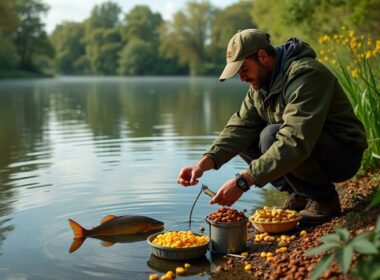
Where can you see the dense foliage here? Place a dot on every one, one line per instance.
(141, 42)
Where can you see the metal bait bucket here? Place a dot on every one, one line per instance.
(228, 237)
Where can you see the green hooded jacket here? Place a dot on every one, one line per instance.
(305, 98)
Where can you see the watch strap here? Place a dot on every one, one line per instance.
(241, 183)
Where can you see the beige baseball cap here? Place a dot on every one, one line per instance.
(243, 44)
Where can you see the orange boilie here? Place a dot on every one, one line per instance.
(226, 214)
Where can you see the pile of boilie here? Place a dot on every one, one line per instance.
(225, 214)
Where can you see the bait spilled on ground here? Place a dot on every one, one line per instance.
(114, 229)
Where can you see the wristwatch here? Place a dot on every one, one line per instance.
(241, 183)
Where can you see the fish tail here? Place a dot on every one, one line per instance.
(77, 242)
(79, 231)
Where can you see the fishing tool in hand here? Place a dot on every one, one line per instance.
(206, 190)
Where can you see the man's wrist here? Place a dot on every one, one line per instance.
(205, 163)
(241, 183)
(247, 178)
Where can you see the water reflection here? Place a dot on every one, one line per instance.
(88, 147)
(108, 241)
(198, 266)
(4, 230)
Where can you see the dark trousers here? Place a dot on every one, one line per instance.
(331, 161)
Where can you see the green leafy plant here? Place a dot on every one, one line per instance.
(355, 59)
(375, 201)
(338, 246)
(368, 266)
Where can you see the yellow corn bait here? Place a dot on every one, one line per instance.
(179, 239)
(179, 270)
(274, 215)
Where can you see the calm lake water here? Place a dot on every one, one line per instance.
(84, 148)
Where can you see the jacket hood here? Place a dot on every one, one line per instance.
(291, 50)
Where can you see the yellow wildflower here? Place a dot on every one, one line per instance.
(377, 45)
(325, 39)
(354, 44)
(351, 33)
(354, 73)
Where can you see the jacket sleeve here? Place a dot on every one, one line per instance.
(308, 96)
(242, 129)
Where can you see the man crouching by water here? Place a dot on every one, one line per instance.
(295, 128)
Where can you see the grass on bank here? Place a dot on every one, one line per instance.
(355, 59)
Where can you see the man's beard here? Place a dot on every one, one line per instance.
(264, 76)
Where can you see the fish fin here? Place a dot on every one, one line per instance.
(108, 218)
(107, 243)
(78, 230)
(77, 242)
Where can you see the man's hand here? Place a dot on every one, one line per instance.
(188, 176)
(227, 194)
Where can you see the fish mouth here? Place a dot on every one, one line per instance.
(158, 225)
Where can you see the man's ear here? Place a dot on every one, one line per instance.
(262, 55)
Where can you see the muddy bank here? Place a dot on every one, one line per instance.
(355, 195)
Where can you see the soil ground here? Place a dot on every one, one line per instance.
(355, 195)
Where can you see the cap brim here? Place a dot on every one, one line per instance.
(231, 70)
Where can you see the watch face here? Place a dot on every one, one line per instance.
(241, 183)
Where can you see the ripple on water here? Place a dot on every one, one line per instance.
(86, 178)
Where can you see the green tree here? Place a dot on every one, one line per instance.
(102, 39)
(327, 16)
(309, 19)
(270, 17)
(30, 37)
(142, 23)
(67, 39)
(186, 37)
(141, 30)
(136, 58)
(225, 24)
(8, 17)
(8, 55)
(106, 15)
(103, 47)
(8, 23)
(229, 20)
